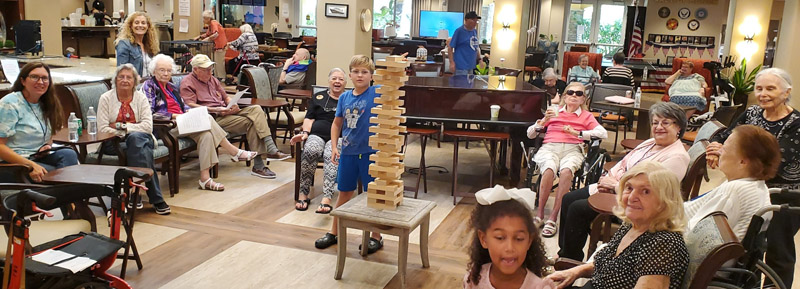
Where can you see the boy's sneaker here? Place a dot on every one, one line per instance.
(373, 245)
(162, 208)
(263, 173)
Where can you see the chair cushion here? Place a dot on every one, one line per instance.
(184, 143)
(614, 117)
(160, 152)
(690, 135)
(533, 69)
(298, 117)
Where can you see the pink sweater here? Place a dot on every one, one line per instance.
(580, 122)
(673, 157)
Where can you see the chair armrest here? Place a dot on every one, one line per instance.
(566, 263)
(20, 171)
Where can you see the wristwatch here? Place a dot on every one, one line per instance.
(580, 134)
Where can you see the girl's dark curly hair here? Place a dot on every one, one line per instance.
(482, 218)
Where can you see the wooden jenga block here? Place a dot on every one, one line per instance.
(388, 131)
(388, 63)
(379, 111)
(383, 204)
(394, 77)
(391, 121)
(391, 190)
(396, 172)
(398, 102)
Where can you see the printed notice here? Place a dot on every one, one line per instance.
(184, 26)
(194, 120)
(183, 8)
(236, 97)
(10, 69)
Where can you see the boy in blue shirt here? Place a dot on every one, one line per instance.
(466, 46)
(352, 119)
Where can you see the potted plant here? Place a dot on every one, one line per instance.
(744, 82)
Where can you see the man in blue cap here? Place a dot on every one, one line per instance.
(465, 43)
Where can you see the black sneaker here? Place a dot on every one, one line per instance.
(162, 208)
(373, 245)
(326, 241)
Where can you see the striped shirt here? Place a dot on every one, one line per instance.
(618, 71)
(246, 43)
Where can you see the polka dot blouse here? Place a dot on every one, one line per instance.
(658, 253)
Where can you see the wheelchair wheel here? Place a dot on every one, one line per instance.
(769, 274)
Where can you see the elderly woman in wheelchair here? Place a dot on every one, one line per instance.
(566, 129)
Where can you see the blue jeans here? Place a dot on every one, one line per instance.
(138, 147)
(58, 159)
(463, 72)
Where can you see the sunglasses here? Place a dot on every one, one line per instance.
(571, 92)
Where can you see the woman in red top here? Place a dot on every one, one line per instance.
(216, 34)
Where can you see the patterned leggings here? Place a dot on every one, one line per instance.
(314, 149)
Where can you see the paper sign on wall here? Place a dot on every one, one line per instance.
(285, 10)
(184, 26)
(183, 8)
(10, 69)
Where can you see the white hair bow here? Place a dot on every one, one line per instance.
(489, 196)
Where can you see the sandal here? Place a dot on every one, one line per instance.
(550, 229)
(324, 209)
(307, 202)
(373, 245)
(243, 155)
(211, 185)
(537, 222)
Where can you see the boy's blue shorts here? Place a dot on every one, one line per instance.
(351, 168)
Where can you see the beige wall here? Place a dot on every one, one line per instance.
(338, 39)
(786, 56)
(551, 19)
(67, 7)
(509, 43)
(195, 20)
(51, 24)
(710, 26)
(269, 15)
(761, 10)
(293, 15)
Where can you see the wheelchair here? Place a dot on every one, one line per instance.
(22, 268)
(589, 173)
(750, 269)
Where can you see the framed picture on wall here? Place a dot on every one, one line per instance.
(684, 39)
(703, 40)
(658, 39)
(337, 10)
(671, 39)
(651, 38)
(710, 41)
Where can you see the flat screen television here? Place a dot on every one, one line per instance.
(430, 22)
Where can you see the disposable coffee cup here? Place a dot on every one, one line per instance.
(554, 107)
(495, 111)
(628, 94)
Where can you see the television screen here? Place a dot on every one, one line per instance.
(430, 22)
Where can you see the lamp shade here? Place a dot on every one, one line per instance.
(390, 31)
(443, 34)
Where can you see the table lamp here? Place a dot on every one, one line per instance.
(443, 34)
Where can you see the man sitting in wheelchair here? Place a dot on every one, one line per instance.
(567, 125)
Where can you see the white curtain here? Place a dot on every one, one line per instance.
(416, 7)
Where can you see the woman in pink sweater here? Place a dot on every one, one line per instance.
(668, 123)
(562, 150)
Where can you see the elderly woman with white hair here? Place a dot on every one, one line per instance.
(166, 103)
(217, 34)
(550, 83)
(562, 152)
(247, 45)
(125, 112)
(317, 135)
(582, 72)
(773, 89)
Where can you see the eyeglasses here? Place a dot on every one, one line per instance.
(163, 70)
(663, 123)
(571, 92)
(36, 78)
(125, 77)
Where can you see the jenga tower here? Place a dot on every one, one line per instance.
(386, 192)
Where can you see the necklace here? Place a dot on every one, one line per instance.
(646, 154)
(325, 106)
(41, 125)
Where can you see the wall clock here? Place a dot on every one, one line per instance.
(684, 13)
(366, 20)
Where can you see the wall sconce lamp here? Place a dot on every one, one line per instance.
(749, 28)
(506, 25)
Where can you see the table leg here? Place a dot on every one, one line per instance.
(341, 253)
(82, 153)
(364, 242)
(643, 125)
(402, 257)
(516, 156)
(455, 169)
(424, 228)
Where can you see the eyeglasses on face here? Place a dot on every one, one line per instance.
(663, 123)
(571, 92)
(36, 78)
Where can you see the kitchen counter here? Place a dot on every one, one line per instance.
(71, 70)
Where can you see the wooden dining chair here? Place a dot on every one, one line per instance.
(604, 114)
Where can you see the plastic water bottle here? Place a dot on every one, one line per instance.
(91, 121)
(644, 73)
(73, 127)
(637, 100)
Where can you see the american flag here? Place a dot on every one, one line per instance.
(636, 36)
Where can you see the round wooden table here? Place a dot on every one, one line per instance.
(62, 137)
